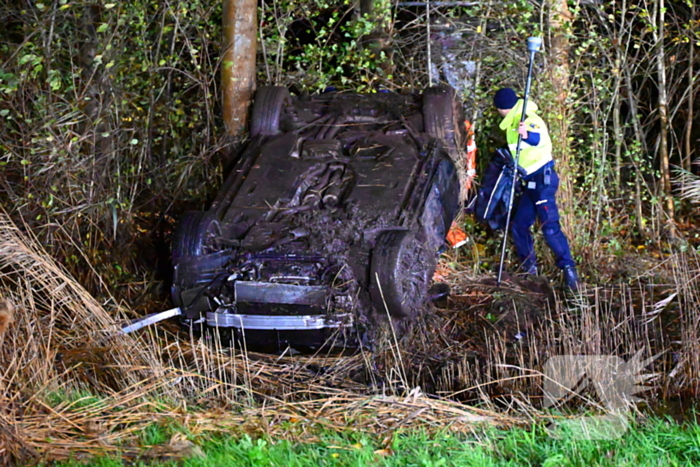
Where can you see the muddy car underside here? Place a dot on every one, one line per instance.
(335, 211)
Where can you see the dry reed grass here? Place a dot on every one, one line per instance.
(479, 356)
(63, 341)
(60, 339)
(55, 320)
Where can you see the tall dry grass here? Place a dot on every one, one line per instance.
(72, 386)
(471, 349)
(100, 162)
(55, 321)
(60, 340)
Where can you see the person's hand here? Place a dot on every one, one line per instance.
(522, 130)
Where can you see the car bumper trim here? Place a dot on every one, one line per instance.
(277, 322)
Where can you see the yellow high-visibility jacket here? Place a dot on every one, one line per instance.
(532, 158)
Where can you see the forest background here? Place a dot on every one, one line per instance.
(112, 126)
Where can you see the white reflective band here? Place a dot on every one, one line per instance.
(542, 201)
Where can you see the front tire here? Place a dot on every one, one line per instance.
(401, 269)
(196, 235)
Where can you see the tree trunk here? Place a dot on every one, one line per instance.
(97, 91)
(662, 107)
(560, 19)
(641, 140)
(617, 104)
(687, 160)
(238, 62)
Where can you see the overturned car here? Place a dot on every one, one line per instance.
(332, 216)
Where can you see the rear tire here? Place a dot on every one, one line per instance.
(401, 269)
(272, 111)
(443, 118)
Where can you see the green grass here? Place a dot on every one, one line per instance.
(658, 442)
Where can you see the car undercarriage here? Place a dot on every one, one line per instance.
(331, 218)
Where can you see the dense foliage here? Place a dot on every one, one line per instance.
(110, 116)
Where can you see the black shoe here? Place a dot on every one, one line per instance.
(571, 278)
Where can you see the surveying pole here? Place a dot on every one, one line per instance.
(533, 46)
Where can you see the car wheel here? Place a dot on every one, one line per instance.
(272, 111)
(401, 269)
(195, 235)
(443, 118)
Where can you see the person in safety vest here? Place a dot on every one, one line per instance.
(539, 183)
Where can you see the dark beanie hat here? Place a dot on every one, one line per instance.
(505, 98)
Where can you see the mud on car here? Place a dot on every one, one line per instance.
(331, 217)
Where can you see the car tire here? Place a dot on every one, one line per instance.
(401, 269)
(194, 235)
(443, 118)
(271, 111)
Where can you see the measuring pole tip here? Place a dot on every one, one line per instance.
(534, 44)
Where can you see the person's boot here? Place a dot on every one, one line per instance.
(571, 278)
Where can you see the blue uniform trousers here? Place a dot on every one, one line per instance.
(538, 201)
